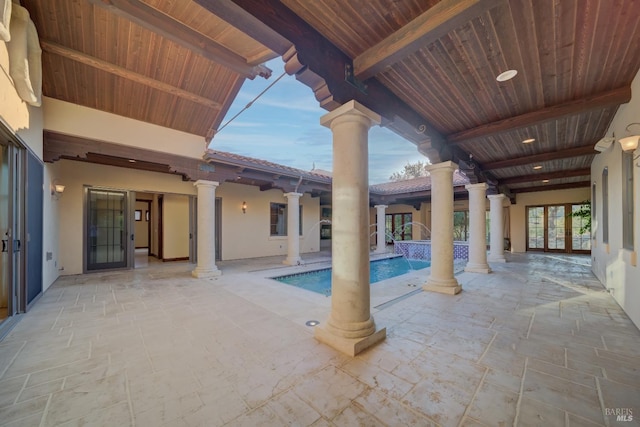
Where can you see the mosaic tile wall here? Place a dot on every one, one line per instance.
(421, 249)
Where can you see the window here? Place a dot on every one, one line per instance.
(535, 227)
(138, 215)
(278, 218)
(627, 201)
(605, 205)
(398, 226)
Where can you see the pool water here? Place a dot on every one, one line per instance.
(320, 280)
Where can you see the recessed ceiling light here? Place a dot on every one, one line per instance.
(545, 180)
(131, 161)
(537, 167)
(507, 75)
(528, 141)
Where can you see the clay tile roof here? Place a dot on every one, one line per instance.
(413, 185)
(264, 165)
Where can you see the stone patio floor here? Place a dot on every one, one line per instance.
(538, 342)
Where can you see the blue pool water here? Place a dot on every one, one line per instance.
(320, 280)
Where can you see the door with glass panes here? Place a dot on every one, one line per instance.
(553, 228)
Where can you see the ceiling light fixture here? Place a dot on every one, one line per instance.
(537, 167)
(131, 161)
(528, 141)
(507, 75)
(545, 180)
(629, 143)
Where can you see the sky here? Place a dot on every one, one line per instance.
(283, 126)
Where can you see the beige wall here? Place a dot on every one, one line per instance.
(142, 226)
(175, 227)
(617, 268)
(518, 212)
(73, 119)
(248, 235)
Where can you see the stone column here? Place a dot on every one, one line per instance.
(293, 229)
(477, 229)
(441, 278)
(381, 230)
(206, 266)
(350, 327)
(496, 246)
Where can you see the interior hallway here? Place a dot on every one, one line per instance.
(538, 342)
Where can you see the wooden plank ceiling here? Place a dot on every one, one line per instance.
(169, 63)
(430, 70)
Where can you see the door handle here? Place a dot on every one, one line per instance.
(4, 246)
(17, 245)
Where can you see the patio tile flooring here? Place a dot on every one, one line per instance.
(538, 342)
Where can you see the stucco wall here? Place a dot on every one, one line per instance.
(175, 227)
(142, 226)
(613, 265)
(518, 212)
(248, 235)
(64, 117)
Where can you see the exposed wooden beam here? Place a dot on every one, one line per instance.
(583, 150)
(428, 27)
(317, 54)
(564, 186)
(124, 73)
(593, 102)
(160, 23)
(548, 175)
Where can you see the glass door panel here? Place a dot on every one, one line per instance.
(6, 284)
(556, 233)
(535, 228)
(579, 241)
(106, 229)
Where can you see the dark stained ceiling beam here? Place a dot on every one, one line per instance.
(564, 186)
(160, 23)
(593, 102)
(425, 29)
(548, 175)
(108, 67)
(583, 150)
(322, 57)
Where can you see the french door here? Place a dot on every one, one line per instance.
(106, 229)
(552, 228)
(398, 226)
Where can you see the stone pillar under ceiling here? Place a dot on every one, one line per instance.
(381, 246)
(293, 229)
(477, 229)
(350, 327)
(206, 220)
(496, 246)
(441, 278)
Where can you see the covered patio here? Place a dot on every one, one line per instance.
(538, 342)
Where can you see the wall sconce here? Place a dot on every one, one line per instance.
(630, 143)
(244, 207)
(57, 189)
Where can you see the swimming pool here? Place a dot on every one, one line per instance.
(320, 280)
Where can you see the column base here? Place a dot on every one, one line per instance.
(449, 286)
(497, 259)
(202, 273)
(478, 268)
(380, 251)
(293, 261)
(349, 346)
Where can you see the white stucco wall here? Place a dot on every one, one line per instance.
(175, 227)
(612, 264)
(72, 119)
(248, 235)
(518, 211)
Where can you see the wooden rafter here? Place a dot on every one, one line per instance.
(99, 64)
(583, 150)
(154, 20)
(594, 102)
(546, 175)
(428, 27)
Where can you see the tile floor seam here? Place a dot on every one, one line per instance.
(45, 412)
(127, 388)
(475, 393)
(563, 378)
(13, 359)
(55, 322)
(567, 422)
(601, 399)
(484, 353)
(533, 316)
(521, 392)
(24, 385)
